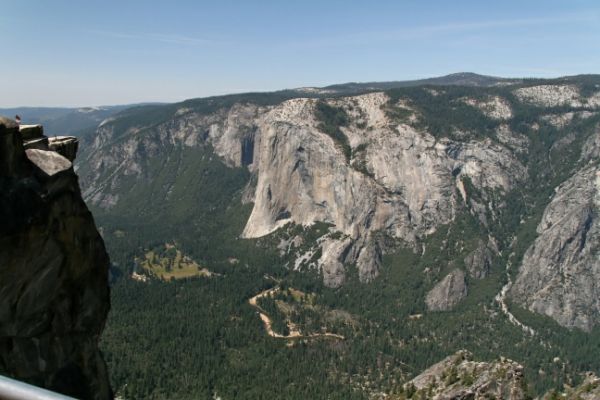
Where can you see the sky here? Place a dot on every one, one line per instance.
(92, 52)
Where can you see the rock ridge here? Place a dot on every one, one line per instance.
(460, 377)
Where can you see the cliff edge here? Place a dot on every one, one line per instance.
(53, 268)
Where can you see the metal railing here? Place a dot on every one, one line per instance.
(11, 389)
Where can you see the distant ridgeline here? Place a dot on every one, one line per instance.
(64, 121)
(53, 268)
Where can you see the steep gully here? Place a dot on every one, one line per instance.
(501, 300)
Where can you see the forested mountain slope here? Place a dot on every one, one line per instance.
(410, 211)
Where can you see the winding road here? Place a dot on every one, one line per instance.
(294, 332)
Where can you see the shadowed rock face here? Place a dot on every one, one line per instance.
(479, 261)
(53, 273)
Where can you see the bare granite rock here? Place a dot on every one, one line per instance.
(410, 186)
(494, 107)
(459, 377)
(50, 162)
(448, 292)
(556, 95)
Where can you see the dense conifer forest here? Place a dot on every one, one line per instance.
(199, 337)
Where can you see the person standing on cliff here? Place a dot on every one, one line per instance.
(18, 119)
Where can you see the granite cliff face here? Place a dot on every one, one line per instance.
(53, 268)
(560, 274)
(448, 292)
(400, 180)
(560, 271)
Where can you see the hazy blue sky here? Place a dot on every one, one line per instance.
(110, 52)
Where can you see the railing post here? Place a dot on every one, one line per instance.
(11, 389)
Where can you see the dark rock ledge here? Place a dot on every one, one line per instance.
(53, 268)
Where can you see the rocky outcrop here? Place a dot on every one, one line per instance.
(53, 269)
(562, 120)
(448, 292)
(459, 377)
(34, 139)
(494, 107)
(479, 261)
(591, 148)
(589, 389)
(560, 273)
(556, 96)
(514, 141)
